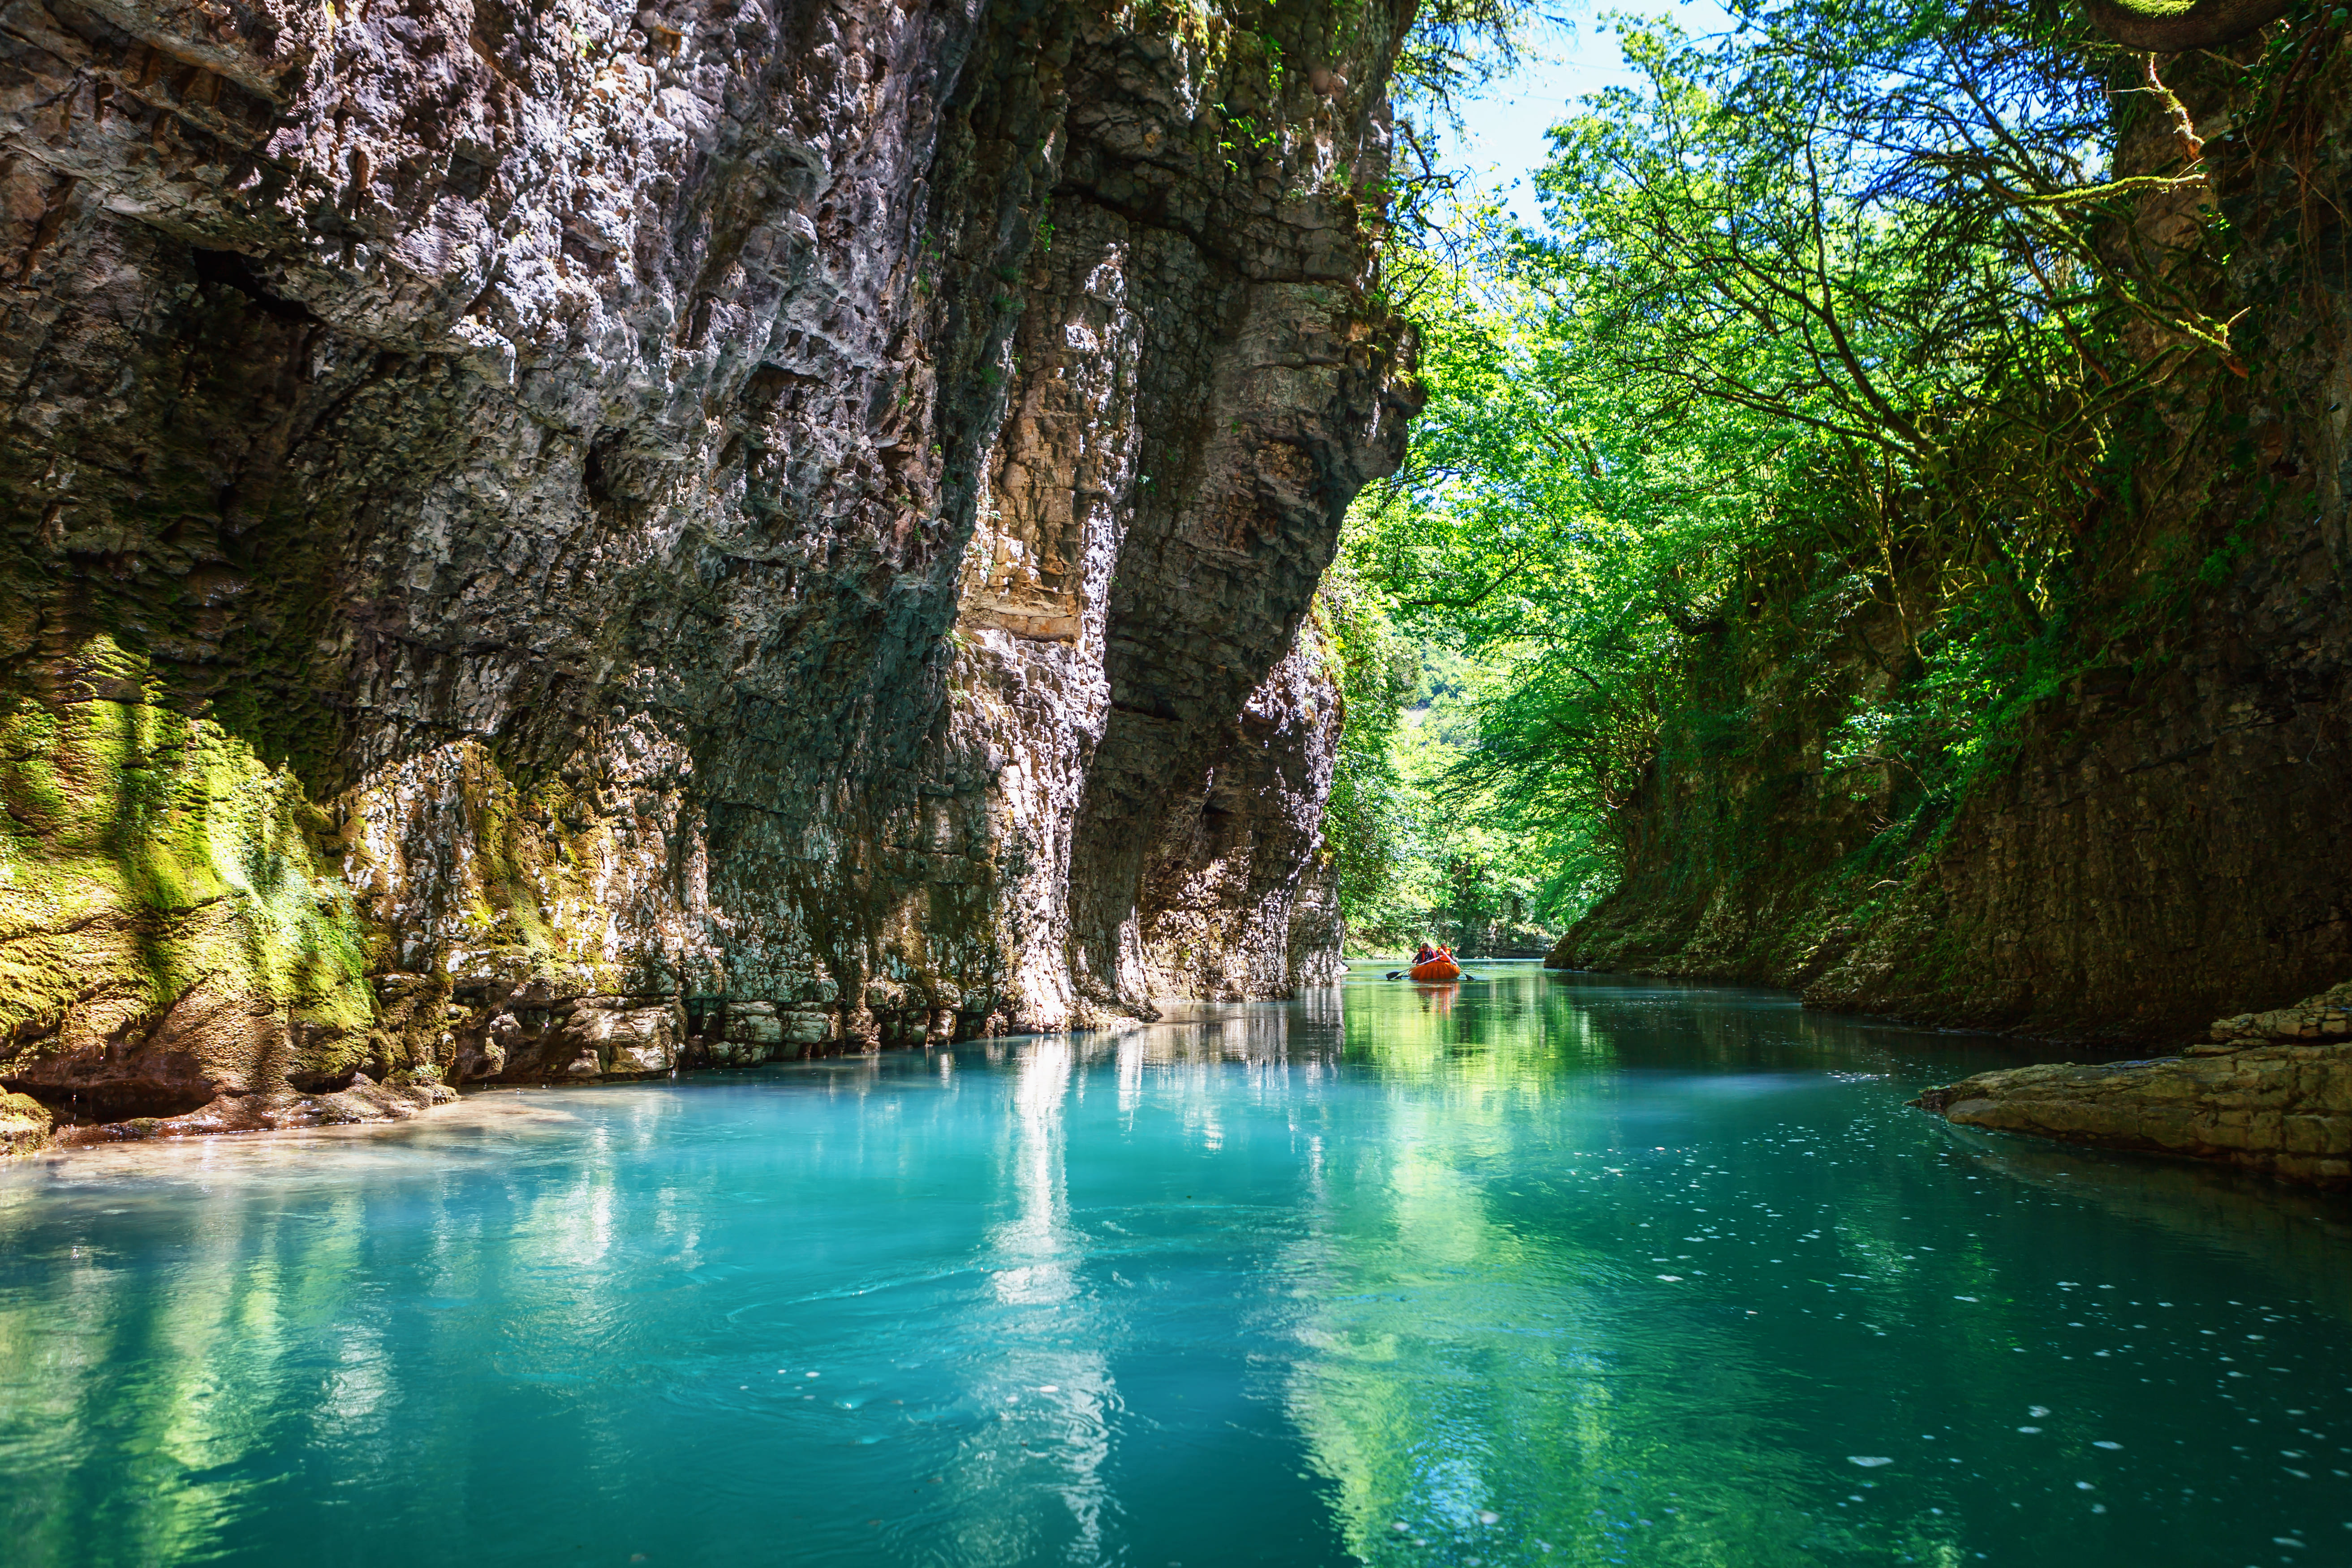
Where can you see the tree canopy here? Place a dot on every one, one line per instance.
(1859, 331)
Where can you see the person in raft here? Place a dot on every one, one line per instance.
(1426, 954)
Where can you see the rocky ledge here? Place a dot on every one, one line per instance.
(2269, 1092)
(27, 1126)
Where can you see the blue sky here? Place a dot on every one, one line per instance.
(1504, 131)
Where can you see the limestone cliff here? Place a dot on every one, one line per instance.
(550, 539)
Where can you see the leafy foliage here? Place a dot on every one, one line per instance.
(1415, 862)
(1370, 818)
(1849, 335)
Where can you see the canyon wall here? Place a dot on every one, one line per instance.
(2166, 841)
(554, 539)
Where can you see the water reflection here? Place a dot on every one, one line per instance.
(1052, 1356)
(2299, 1242)
(1469, 1389)
(1668, 1275)
(1550, 1269)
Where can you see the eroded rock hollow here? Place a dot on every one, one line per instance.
(547, 539)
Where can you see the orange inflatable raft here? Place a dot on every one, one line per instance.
(1439, 968)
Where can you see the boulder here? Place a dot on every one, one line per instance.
(23, 1124)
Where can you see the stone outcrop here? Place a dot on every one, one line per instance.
(2269, 1092)
(549, 542)
(1241, 898)
(2165, 836)
(2327, 1017)
(279, 1111)
(25, 1125)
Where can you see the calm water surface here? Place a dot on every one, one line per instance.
(1552, 1269)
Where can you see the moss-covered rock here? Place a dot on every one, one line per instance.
(23, 1124)
(168, 927)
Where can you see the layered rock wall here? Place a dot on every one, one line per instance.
(549, 541)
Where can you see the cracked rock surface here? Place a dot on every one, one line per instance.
(556, 541)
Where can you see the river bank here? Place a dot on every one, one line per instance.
(2269, 1092)
(28, 1126)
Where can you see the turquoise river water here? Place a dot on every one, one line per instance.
(1546, 1269)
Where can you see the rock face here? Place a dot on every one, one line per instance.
(2168, 838)
(543, 541)
(2270, 1092)
(25, 1125)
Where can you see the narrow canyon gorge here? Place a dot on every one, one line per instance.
(1069, 784)
(560, 543)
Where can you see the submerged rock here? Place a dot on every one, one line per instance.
(2270, 1092)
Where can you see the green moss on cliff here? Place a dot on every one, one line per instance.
(150, 862)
